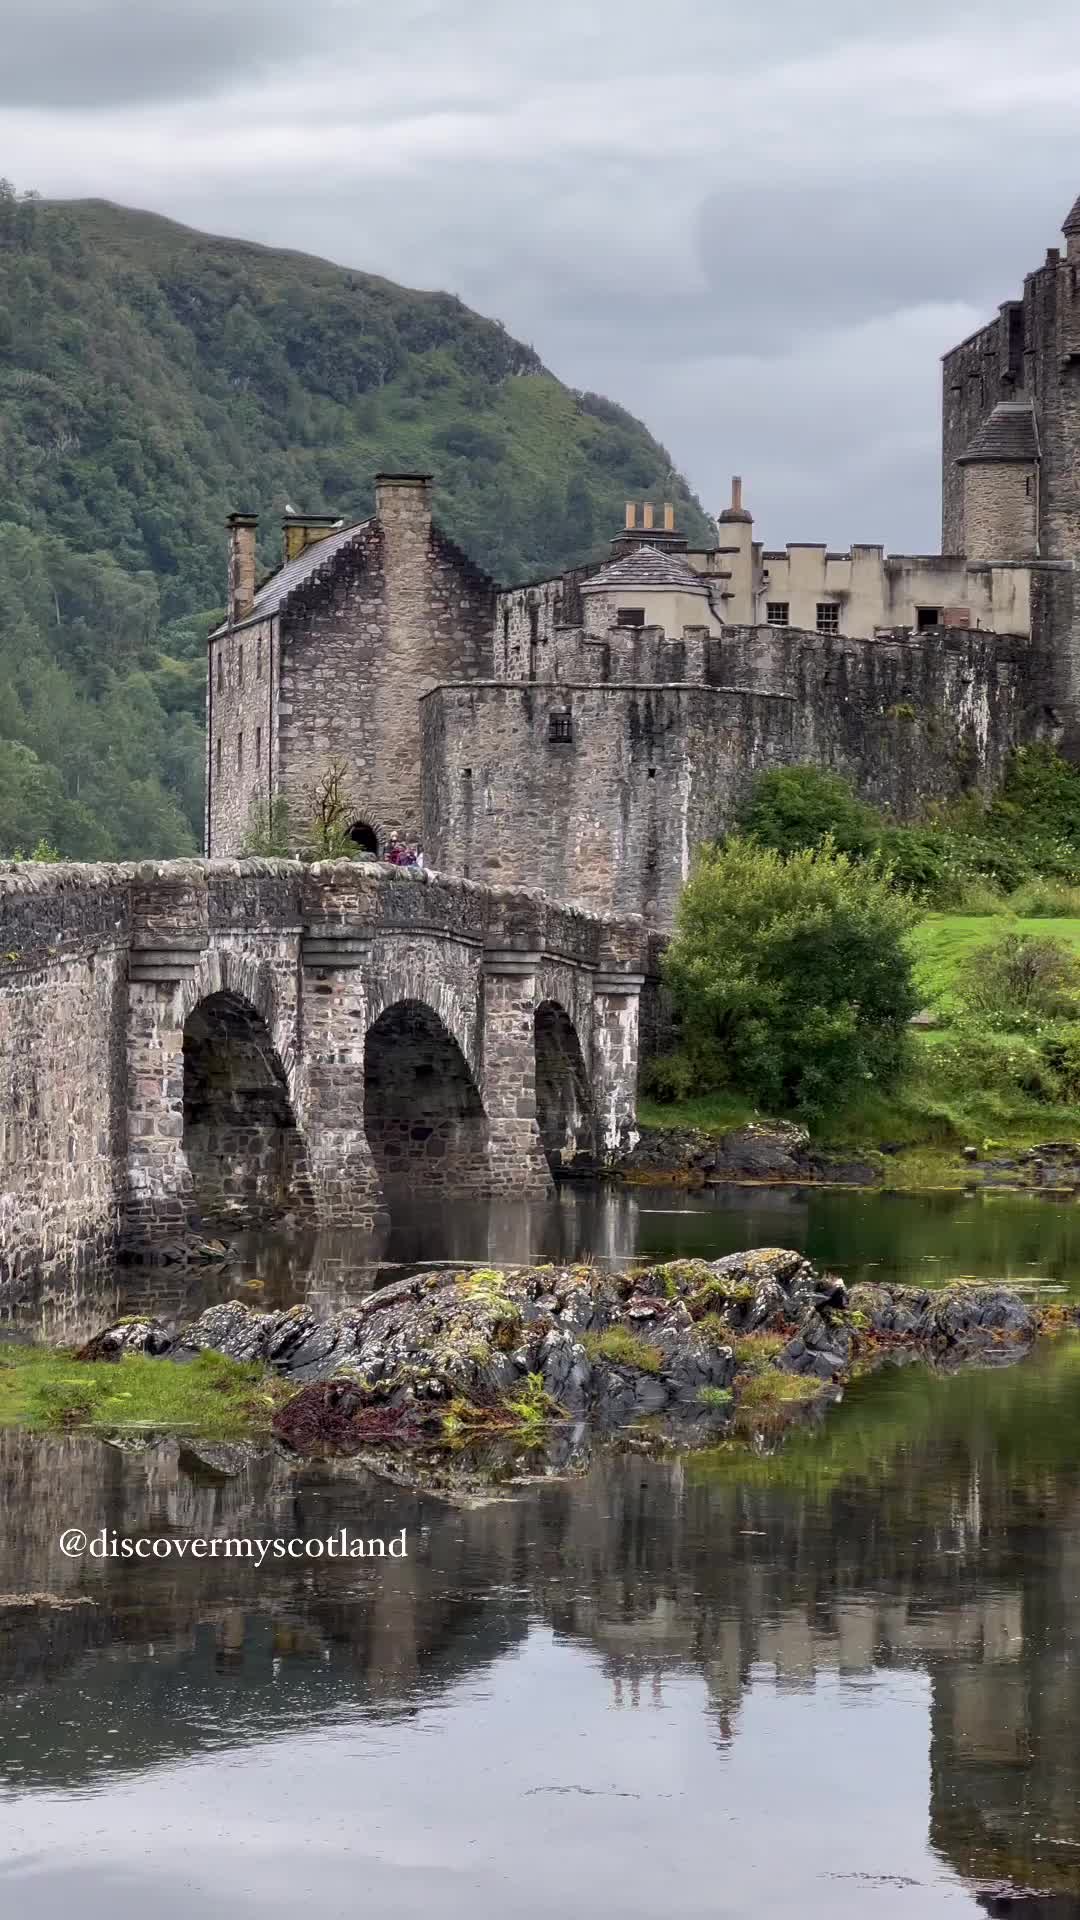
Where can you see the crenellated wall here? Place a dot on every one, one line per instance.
(191, 1039)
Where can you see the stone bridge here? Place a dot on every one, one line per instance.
(197, 1040)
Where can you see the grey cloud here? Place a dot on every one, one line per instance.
(756, 227)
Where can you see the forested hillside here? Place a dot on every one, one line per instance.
(152, 379)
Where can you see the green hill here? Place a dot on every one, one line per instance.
(153, 378)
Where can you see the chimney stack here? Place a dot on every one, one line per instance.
(631, 516)
(301, 530)
(669, 517)
(736, 511)
(647, 515)
(242, 531)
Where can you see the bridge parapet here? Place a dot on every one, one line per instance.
(103, 970)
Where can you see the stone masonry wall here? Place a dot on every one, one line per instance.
(240, 696)
(63, 967)
(399, 610)
(609, 817)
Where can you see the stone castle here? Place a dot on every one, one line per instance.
(582, 735)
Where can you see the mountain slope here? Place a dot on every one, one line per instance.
(152, 379)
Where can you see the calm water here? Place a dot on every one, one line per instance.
(843, 1681)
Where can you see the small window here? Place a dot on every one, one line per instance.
(506, 623)
(1027, 483)
(828, 616)
(630, 617)
(219, 756)
(258, 746)
(561, 724)
(240, 664)
(777, 613)
(258, 656)
(466, 773)
(652, 773)
(927, 617)
(221, 669)
(534, 623)
(239, 753)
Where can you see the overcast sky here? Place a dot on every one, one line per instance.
(757, 225)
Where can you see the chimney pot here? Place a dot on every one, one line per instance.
(736, 492)
(669, 517)
(631, 515)
(646, 514)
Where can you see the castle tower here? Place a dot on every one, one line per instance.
(1000, 485)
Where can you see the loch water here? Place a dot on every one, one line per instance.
(839, 1679)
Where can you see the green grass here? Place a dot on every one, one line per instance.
(623, 1349)
(943, 941)
(213, 1396)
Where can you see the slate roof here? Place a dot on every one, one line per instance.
(274, 592)
(646, 567)
(1008, 434)
(1072, 224)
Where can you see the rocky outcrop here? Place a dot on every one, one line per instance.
(780, 1152)
(461, 1352)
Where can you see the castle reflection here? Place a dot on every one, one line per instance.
(932, 1527)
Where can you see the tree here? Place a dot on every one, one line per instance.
(793, 807)
(791, 976)
(331, 813)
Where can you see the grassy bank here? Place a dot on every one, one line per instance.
(217, 1398)
(981, 1084)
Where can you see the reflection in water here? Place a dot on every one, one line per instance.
(836, 1682)
(922, 1238)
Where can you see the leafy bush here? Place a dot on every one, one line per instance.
(1061, 1052)
(791, 977)
(1022, 976)
(794, 807)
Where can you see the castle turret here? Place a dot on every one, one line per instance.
(1000, 481)
(1071, 230)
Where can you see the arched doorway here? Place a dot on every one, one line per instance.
(241, 1141)
(564, 1105)
(424, 1117)
(364, 836)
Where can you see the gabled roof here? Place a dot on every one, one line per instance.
(646, 567)
(274, 592)
(1010, 433)
(1072, 224)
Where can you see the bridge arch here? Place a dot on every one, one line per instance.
(565, 1107)
(242, 1142)
(426, 1125)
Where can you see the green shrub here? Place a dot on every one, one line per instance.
(1060, 1050)
(1019, 975)
(791, 976)
(791, 808)
(1046, 899)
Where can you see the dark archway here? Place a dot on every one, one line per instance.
(425, 1120)
(241, 1140)
(564, 1106)
(365, 837)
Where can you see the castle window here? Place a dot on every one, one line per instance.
(561, 724)
(652, 773)
(777, 613)
(506, 623)
(630, 617)
(240, 664)
(927, 617)
(828, 616)
(220, 668)
(534, 623)
(258, 656)
(219, 756)
(239, 753)
(258, 746)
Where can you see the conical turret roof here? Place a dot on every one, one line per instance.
(1072, 224)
